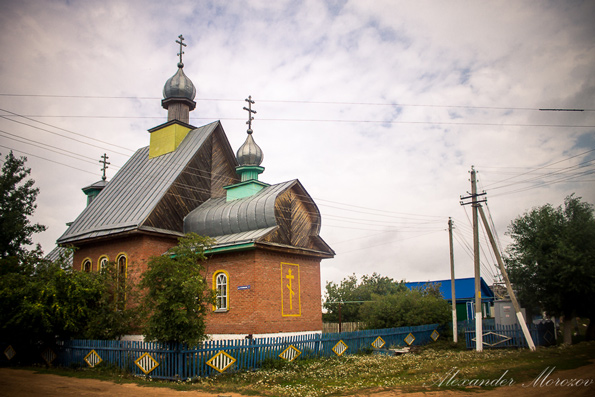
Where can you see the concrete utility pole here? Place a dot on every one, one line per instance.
(455, 335)
(476, 260)
(515, 303)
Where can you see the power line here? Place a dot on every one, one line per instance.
(43, 158)
(63, 136)
(340, 103)
(47, 147)
(59, 128)
(356, 121)
(539, 168)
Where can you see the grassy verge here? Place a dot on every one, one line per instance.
(427, 369)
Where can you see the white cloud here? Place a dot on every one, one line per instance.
(443, 56)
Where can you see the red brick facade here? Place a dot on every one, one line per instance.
(264, 307)
(268, 305)
(138, 248)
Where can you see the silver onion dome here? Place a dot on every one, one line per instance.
(249, 153)
(179, 86)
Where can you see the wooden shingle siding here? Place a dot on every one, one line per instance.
(191, 188)
(223, 164)
(283, 206)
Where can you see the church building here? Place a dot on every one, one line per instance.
(265, 262)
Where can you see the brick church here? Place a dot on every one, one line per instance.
(265, 263)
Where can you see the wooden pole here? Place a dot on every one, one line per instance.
(452, 284)
(476, 259)
(515, 303)
(340, 319)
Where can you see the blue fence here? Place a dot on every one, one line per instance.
(174, 361)
(502, 336)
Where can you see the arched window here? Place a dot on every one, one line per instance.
(103, 262)
(121, 271)
(86, 265)
(122, 264)
(221, 286)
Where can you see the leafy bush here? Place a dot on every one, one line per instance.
(404, 309)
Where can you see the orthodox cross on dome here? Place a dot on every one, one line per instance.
(181, 43)
(250, 112)
(105, 164)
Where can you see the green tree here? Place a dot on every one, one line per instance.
(43, 300)
(406, 308)
(177, 295)
(116, 312)
(52, 301)
(356, 292)
(17, 204)
(551, 260)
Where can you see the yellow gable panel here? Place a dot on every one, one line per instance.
(167, 139)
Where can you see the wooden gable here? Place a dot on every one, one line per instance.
(211, 168)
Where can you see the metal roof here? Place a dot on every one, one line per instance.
(464, 288)
(132, 194)
(61, 253)
(218, 217)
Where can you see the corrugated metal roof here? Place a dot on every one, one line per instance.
(61, 253)
(241, 238)
(464, 288)
(219, 217)
(135, 190)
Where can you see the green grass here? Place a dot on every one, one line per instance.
(422, 370)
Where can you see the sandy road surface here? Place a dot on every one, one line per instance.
(25, 383)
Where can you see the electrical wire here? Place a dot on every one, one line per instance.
(43, 158)
(61, 129)
(340, 103)
(47, 147)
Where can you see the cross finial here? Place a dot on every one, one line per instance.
(181, 43)
(250, 111)
(105, 164)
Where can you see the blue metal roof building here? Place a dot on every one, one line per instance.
(464, 293)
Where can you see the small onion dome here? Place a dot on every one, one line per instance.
(179, 86)
(249, 153)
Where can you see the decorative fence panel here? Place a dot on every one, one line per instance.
(178, 362)
(502, 336)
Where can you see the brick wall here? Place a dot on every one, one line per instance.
(259, 309)
(256, 310)
(138, 249)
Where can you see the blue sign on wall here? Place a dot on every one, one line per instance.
(243, 287)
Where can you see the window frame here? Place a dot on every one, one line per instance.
(89, 268)
(121, 282)
(101, 258)
(216, 287)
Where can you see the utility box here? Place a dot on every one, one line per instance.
(505, 314)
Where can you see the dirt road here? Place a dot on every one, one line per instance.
(24, 383)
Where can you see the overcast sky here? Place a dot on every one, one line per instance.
(379, 108)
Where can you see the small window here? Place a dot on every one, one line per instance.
(221, 291)
(87, 265)
(121, 269)
(103, 262)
